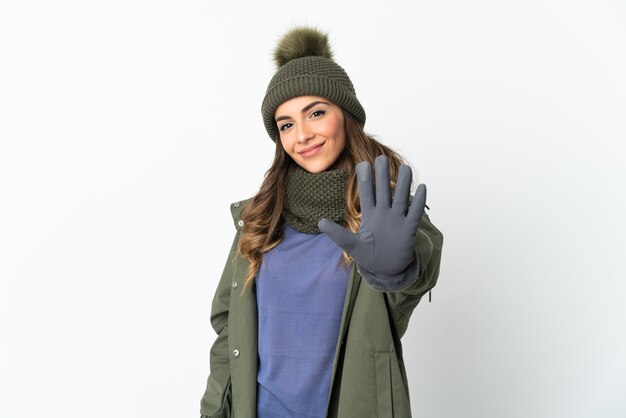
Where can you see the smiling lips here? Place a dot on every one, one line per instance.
(311, 151)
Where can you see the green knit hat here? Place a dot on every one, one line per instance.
(306, 67)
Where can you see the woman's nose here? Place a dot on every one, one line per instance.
(303, 132)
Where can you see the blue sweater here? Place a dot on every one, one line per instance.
(300, 290)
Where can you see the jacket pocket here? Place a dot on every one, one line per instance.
(382, 363)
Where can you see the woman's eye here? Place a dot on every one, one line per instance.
(321, 112)
(282, 128)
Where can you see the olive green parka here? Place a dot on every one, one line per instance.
(368, 377)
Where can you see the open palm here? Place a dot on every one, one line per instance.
(385, 241)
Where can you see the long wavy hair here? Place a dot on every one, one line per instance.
(263, 215)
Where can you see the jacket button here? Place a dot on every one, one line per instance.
(235, 284)
(236, 204)
(236, 353)
(240, 223)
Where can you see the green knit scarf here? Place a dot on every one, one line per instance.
(313, 196)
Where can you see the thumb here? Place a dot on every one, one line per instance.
(342, 237)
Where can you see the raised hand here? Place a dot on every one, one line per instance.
(385, 242)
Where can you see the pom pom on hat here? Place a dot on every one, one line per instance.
(302, 42)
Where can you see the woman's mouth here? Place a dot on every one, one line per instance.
(312, 151)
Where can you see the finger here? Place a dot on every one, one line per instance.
(364, 182)
(417, 207)
(381, 167)
(342, 237)
(403, 186)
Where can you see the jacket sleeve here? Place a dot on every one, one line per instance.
(217, 399)
(428, 247)
(418, 279)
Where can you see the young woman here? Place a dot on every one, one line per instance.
(326, 267)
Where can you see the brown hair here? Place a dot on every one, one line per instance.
(263, 216)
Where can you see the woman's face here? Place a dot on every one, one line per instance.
(311, 131)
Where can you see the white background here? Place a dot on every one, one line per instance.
(128, 127)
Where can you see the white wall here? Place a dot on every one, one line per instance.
(120, 122)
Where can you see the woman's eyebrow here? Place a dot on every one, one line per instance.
(304, 109)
